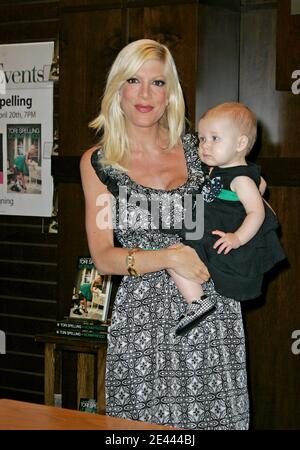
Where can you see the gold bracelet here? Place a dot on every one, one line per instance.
(130, 262)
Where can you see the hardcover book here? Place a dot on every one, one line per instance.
(91, 293)
(83, 325)
(82, 334)
(88, 405)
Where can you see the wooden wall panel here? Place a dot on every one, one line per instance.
(27, 363)
(288, 45)
(218, 57)
(154, 3)
(21, 288)
(14, 250)
(258, 4)
(14, 12)
(257, 77)
(31, 270)
(86, 5)
(23, 306)
(25, 21)
(84, 64)
(28, 381)
(25, 324)
(21, 394)
(278, 112)
(24, 343)
(270, 321)
(157, 22)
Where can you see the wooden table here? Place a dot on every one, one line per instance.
(16, 415)
(90, 359)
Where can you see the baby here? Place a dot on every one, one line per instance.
(240, 242)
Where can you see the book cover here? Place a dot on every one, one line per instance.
(88, 405)
(91, 293)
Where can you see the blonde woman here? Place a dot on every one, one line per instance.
(144, 164)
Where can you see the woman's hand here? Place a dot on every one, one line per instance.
(185, 262)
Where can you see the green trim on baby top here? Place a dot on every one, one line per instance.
(225, 194)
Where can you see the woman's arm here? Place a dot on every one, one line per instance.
(252, 201)
(112, 260)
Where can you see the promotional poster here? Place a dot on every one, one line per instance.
(26, 129)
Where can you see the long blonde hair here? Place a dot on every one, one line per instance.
(111, 122)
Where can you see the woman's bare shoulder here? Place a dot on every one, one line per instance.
(90, 180)
(86, 156)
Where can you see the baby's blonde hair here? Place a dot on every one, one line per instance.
(111, 121)
(242, 116)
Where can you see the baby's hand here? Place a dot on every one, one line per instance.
(227, 242)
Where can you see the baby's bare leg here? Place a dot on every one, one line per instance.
(190, 290)
(199, 305)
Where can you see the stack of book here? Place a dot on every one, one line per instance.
(83, 328)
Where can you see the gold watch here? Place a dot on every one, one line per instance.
(130, 262)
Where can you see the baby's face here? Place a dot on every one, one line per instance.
(218, 141)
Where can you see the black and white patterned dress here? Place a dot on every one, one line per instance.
(195, 381)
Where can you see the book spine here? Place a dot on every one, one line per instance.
(79, 326)
(84, 321)
(102, 336)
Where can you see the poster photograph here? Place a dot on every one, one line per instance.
(26, 129)
(24, 159)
